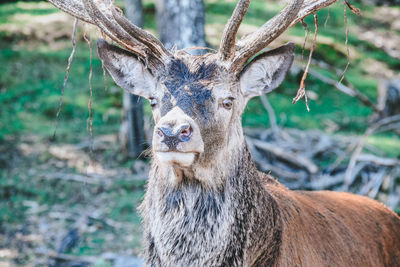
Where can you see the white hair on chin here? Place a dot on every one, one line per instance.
(178, 158)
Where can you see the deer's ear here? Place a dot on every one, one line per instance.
(126, 70)
(266, 71)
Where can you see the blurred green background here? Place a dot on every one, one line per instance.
(39, 207)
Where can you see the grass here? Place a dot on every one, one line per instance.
(29, 96)
(18, 8)
(388, 143)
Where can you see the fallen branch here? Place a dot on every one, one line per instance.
(361, 144)
(372, 187)
(67, 257)
(324, 182)
(281, 157)
(281, 172)
(378, 160)
(296, 160)
(72, 177)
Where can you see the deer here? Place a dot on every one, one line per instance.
(206, 204)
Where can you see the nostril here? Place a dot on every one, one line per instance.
(185, 133)
(172, 136)
(159, 133)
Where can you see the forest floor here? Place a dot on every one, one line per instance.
(61, 200)
(70, 198)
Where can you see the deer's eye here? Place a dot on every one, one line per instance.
(227, 103)
(153, 102)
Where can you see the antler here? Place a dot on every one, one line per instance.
(104, 15)
(227, 46)
(237, 55)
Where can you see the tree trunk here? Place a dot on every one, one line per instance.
(181, 23)
(132, 136)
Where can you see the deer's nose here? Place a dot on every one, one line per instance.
(172, 136)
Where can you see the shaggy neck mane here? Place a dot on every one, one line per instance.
(193, 224)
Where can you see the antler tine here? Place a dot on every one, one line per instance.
(259, 39)
(311, 6)
(227, 46)
(111, 29)
(145, 37)
(74, 8)
(101, 15)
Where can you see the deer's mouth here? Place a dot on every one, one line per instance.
(183, 159)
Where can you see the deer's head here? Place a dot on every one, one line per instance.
(197, 101)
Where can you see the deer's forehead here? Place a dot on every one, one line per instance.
(192, 87)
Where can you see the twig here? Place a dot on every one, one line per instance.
(281, 172)
(72, 177)
(71, 56)
(105, 221)
(353, 9)
(394, 191)
(104, 76)
(346, 44)
(327, 17)
(67, 257)
(200, 48)
(89, 122)
(307, 32)
(302, 90)
(368, 187)
(379, 160)
(377, 182)
(361, 143)
(357, 12)
(325, 181)
(392, 127)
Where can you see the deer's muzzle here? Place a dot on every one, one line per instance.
(177, 139)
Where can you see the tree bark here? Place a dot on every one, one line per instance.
(131, 133)
(181, 23)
